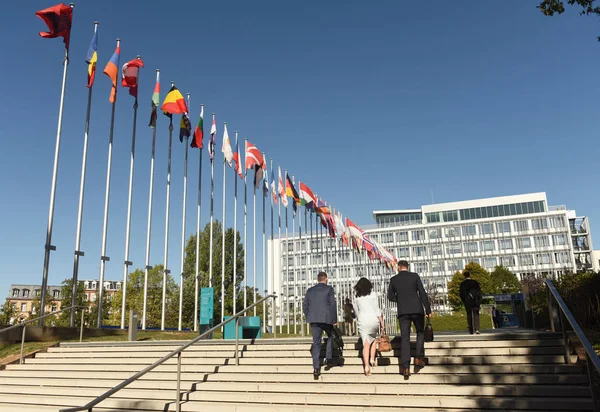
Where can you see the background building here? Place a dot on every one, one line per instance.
(521, 233)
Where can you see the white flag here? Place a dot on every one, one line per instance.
(226, 149)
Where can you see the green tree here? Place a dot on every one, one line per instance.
(106, 310)
(551, 7)
(65, 302)
(7, 312)
(478, 273)
(37, 303)
(135, 299)
(504, 281)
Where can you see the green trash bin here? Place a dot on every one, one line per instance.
(249, 328)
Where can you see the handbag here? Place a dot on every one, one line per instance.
(428, 331)
(383, 343)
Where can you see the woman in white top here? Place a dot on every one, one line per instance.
(368, 318)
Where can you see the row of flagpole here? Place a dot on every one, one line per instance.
(176, 104)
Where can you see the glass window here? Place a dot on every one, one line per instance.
(450, 215)
(507, 261)
(538, 207)
(562, 257)
(403, 252)
(488, 245)
(23, 307)
(500, 210)
(418, 235)
(505, 244)
(15, 293)
(557, 222)
(543, 258)
(559, 240)
(526, 260)
(489, 262)
(478, 213)
(486, 228)
(290, 247)
(503, 227)
(541, 241)
(432, 217)
(291, 261)
(471, 247)
(474, 260)
(38, 292)
(523, 242)
(387, 238)
(303, 260)
(419, 251)
(495, 212)
(25, 293)
(519, 208)
(521, 225)
(56, 293)
(54, 308)
(437, 266)
(436, 250)
(488, 211)
(402, 236)
(469, 230)
(455, 264)
(513, 209)
(452, 231)
(435, 233)
(453, 249)
(420, 267)
(539, 223)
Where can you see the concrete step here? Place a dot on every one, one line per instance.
(304, 352)
(474, 400)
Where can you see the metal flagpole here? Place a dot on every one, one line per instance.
(294, 305)
(165, 269)
(254, 247)
(235, 190)
(48, 247)
(281, 263)
(272, 262)
(181, 261)
(287, 275)
(264, 252)
(223, 236)
(212, 202)
(103, 257)
(197, 280)
(302, 270)
(245, 227)
(126, 262)
(149, 226)
(78, 252)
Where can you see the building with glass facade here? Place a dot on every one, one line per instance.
(521, 233)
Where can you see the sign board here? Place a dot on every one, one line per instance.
(207, 298)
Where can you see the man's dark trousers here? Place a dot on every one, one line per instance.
(317, 335)
(405, 321)
(473, 318)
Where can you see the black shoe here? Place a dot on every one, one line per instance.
(316, 373)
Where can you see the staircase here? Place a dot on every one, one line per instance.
(504, 371)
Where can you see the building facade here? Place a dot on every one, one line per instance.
(522, 233)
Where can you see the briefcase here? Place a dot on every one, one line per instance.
(428, 331)
(383, 343)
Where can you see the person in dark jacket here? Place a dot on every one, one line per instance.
(406, 289)
(470, 295)
(320, 309)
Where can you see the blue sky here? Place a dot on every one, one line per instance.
(373, 106)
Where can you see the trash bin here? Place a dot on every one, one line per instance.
(248, 328)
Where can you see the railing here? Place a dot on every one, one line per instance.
(565, 316)
(177, 352)
(24, 326)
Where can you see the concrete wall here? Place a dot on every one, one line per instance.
(46, 333)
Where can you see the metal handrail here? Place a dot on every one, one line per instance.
(565, 313)
(110, 392)
(24, 323)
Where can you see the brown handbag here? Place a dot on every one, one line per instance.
(383, 343)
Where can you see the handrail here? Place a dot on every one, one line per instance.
(110, 392)
(23, 325)
(565, 313)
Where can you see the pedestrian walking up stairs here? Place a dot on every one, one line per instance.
(503, 371)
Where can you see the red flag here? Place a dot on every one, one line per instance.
(253, 156)
(58, 19)
(237, 160)
(130, 74)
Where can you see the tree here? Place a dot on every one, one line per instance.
(550, 7)
(478, 273)
(135, 299)
(7, 313)
(35, 309)
(106, 310)
(64, 318)
(504, 281)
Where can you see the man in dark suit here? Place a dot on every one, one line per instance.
(470, 294)
(406, 289)
(320, 310)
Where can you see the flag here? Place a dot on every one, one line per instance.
(185, 127)
(237, 160)
(254, 159)
(355, 233)
(112, 71)
(307, 198)
(212, 142)
(130, 74)
(174, 103)
(58, 19)
(281, 188)
(91, 59)
(155, 101)
(321, 207)
(290, 191)
(199, 131)
(226, 147)
(265, 181)
(273, 190)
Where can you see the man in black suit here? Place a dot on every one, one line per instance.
(470, 294)
(320, 310)
(406, 289)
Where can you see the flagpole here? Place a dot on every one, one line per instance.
(223, 239)
(48, 247)
(103, 257)
(78, 252)
(302, 269)
(245, 228)
(254, 248)
(294, 305)
(149, 225)
(197, 280)
(282, 278)
(287, 282)
(182, 259)
(126, 262)
(235, 190)
(272, 264)
(166, 271)
(264, 255)
(212, 201)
